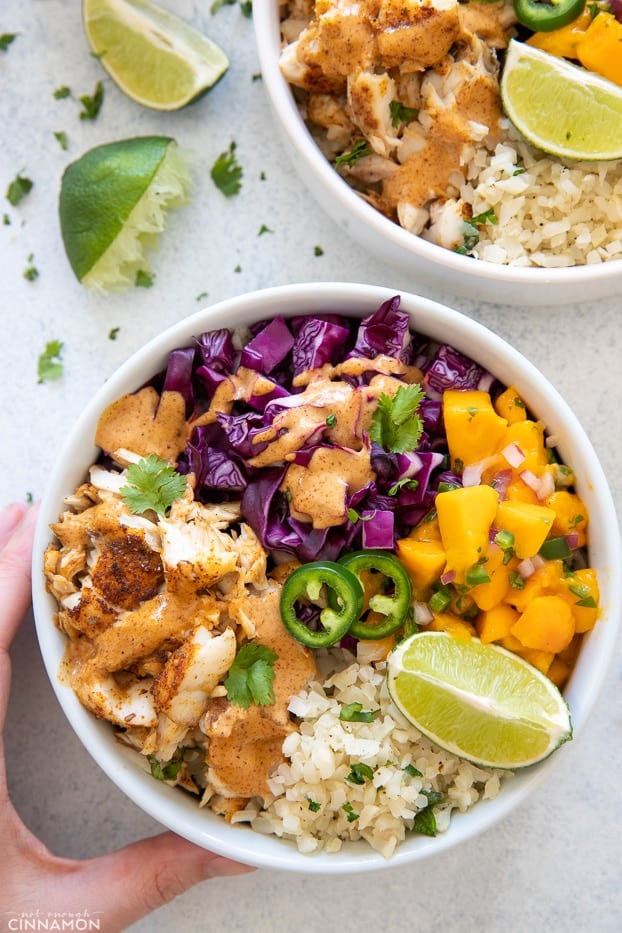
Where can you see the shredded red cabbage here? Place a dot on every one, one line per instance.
(404, 486)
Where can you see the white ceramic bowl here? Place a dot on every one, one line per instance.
(178, 811)
(422, 261)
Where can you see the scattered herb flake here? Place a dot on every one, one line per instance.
(412, 771)
(246, 7)
(402, 114)
(314, 806)
(143, 279)
(359, 773)
(354, 712)
(396, 426)
(6, 220)
(227, 173)
(31, 273)
(318, 251)
(264, 229)
(6, 39)
(331, 420)
(425, 822)
(170, 769)
(201, 296)
(18, 189)
(349, 811)
(92, 105)
(262, 176)
(238, 268)
(257, 76)
(358, 151)
(112, 333)
(62, 92)
(219, 4)
(62, 139)
(152, 484)
(49, 365)
(250, 676)
(405, 482)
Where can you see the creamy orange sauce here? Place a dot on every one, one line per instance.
(318, 491)
(144, 422)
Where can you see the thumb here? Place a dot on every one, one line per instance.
(128, 884)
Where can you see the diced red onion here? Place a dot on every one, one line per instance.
(572, 540)
(513, 454)
(543, 486)
(422, 613)
(501, 481)
(538, 561)
(616, 9)
(448, 577)
(526, 568)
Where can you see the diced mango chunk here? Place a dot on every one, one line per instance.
(473, 427)
(530, 524)
(465, 516)
(509, 405)
(570, 515)
(424, 560)
(546, 624)
(598, 49)
(496, 623)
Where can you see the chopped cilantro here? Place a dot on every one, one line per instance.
(61, 92)
(227, 173)
(487, 217)
(6, 220)
(412, 771)
(18, 189)
(62, 139)
(219, 4)
(238, 268)
(403, 483)
(314, 806)
(263, 229)
(331, 420)
(6, 39)
(425, 822)
(49, 364)
(250, 676)
(396, 426)
(92, 105)
(152, 484)
(257, 77)
(112, 333)
(262, 176)
(359, 773)
(246, 7)
(143, 279)
(31, 273)
(170, 769)
(318, 251)
(349, 811)
(358, 151)
(519, 171)
(516, 581)
(354, 712)
(402, 114)
(201, 296)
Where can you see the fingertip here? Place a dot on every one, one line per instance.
(217, 866)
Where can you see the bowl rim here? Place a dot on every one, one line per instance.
(179, 812)
(265, 24)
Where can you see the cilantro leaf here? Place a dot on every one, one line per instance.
(143, 279)
(402, 114)
(227, 173)
(49, 365)
(62, 92)
(170, 769)
(358, 151)
(18, 189)
(250, 676)
(354, 712)
(61, 136)
(152, 484)
(359, 773)
(92, 105)
(6, 39)
(396, 426)
(425, 822)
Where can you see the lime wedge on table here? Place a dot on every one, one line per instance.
(153, 56)
(477, 701)
(561, 108)
(113, 204)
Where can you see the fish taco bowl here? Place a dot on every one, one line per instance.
(380, 140)
(347, 780)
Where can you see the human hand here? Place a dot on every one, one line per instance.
(118, 888)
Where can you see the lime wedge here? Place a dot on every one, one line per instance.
(113, 204)
(479, 702)
(559, 107)
(153, 56)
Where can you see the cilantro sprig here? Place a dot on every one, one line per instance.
(168, 770)
(152, 484)
(18, 189)
(250, 676)
(396, 426)
(49, 365)
(227, 172)
(358, 151)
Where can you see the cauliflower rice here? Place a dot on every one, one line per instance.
(313, 797)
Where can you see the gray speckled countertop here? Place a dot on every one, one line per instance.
(553, 865)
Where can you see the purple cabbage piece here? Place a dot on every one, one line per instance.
(178, 376)
(450, 369)
(378, 529)
(240, 430)
(218, 469)
(269, 347)
(385, 331)
(318, 342)
(217, 355)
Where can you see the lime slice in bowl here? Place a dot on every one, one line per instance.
(156, 58)
(559, 107)
(113, 204)
(478, 701)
